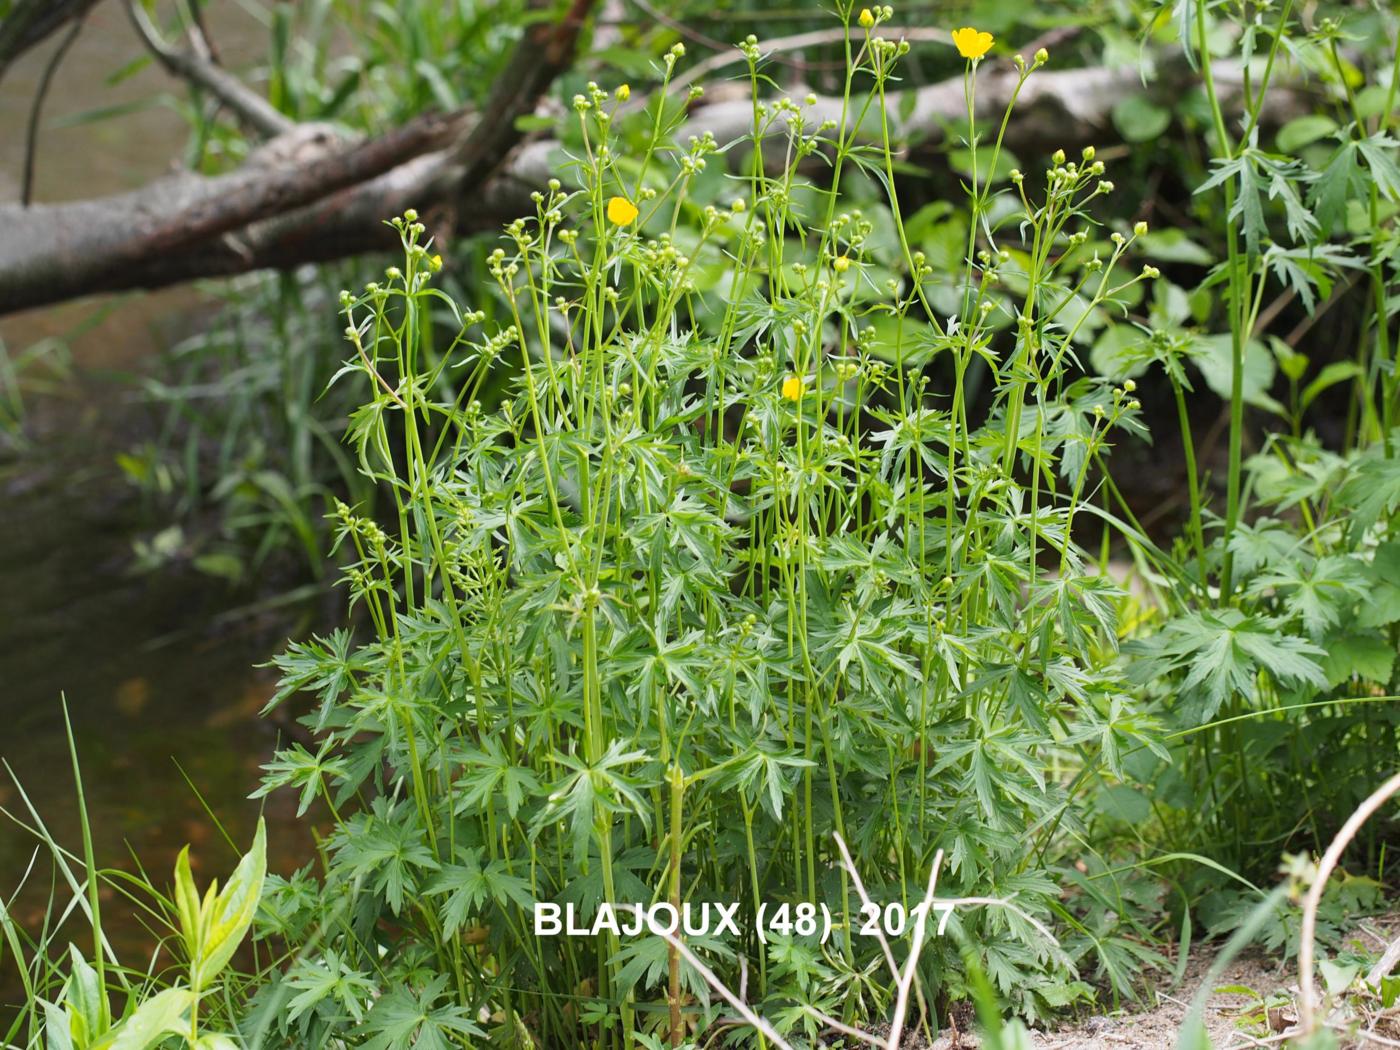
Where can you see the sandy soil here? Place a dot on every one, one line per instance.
(1235, 1021)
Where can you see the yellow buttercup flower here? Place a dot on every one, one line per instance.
(866, 18)
(841, 263)
(972, 43)
(792, 388)
(621, 211)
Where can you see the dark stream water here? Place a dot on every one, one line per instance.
(157, 667)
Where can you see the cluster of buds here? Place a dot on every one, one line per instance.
(1122, 403)
(367, 529)
(662, 256)
(497, 266)
(500, 342)
(699, 146)
(593, 99)
(1119, 393)
(1039, 59)
(869, 18)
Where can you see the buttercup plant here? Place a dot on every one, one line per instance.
(725, 575)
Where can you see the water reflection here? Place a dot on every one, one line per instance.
(154, 673)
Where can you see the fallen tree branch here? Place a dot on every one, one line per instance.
(289, 207)
(30, 22)
(302, 197)
(251, 109)
(55, 252)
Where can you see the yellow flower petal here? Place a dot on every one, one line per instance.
(792, 388)
(972, 43)
(621, 211)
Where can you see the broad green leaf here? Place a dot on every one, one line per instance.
(1336, 372)
(1368, 656)
(1139, 119)
(1172, 245)
(187, 901)
(86, 1000)
(159, 1016)
(232, 911)
(1304, 131)
(1338, 976)
(1114, 356)
(1216, 366)
(58, 1030)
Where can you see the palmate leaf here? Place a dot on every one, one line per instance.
(324, 977)
(1309, 268)
(1223, 652)
(489, 772)
(1368, 656)
(387, 848)
(646, 959)
(1382, 605)
(594, 793)
(1372, 491)
(297, 767)
(410, 1018)
(1319, 593)
(1342, 180)
(471, 885)
(323, 666)
(763, 773)
(1255, 174)
(1379, 152)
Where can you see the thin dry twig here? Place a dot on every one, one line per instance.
(901, 1002)
(714, 982)
(252, 109)
(1325, 867)
(31, 135)
(1384, 964)
(839, 1026)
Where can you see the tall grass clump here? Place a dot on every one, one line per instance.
(731, 569)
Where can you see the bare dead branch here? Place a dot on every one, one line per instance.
(316, 203)
(251, 109)
(30, 22)
(36, 110)
(302, 197)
